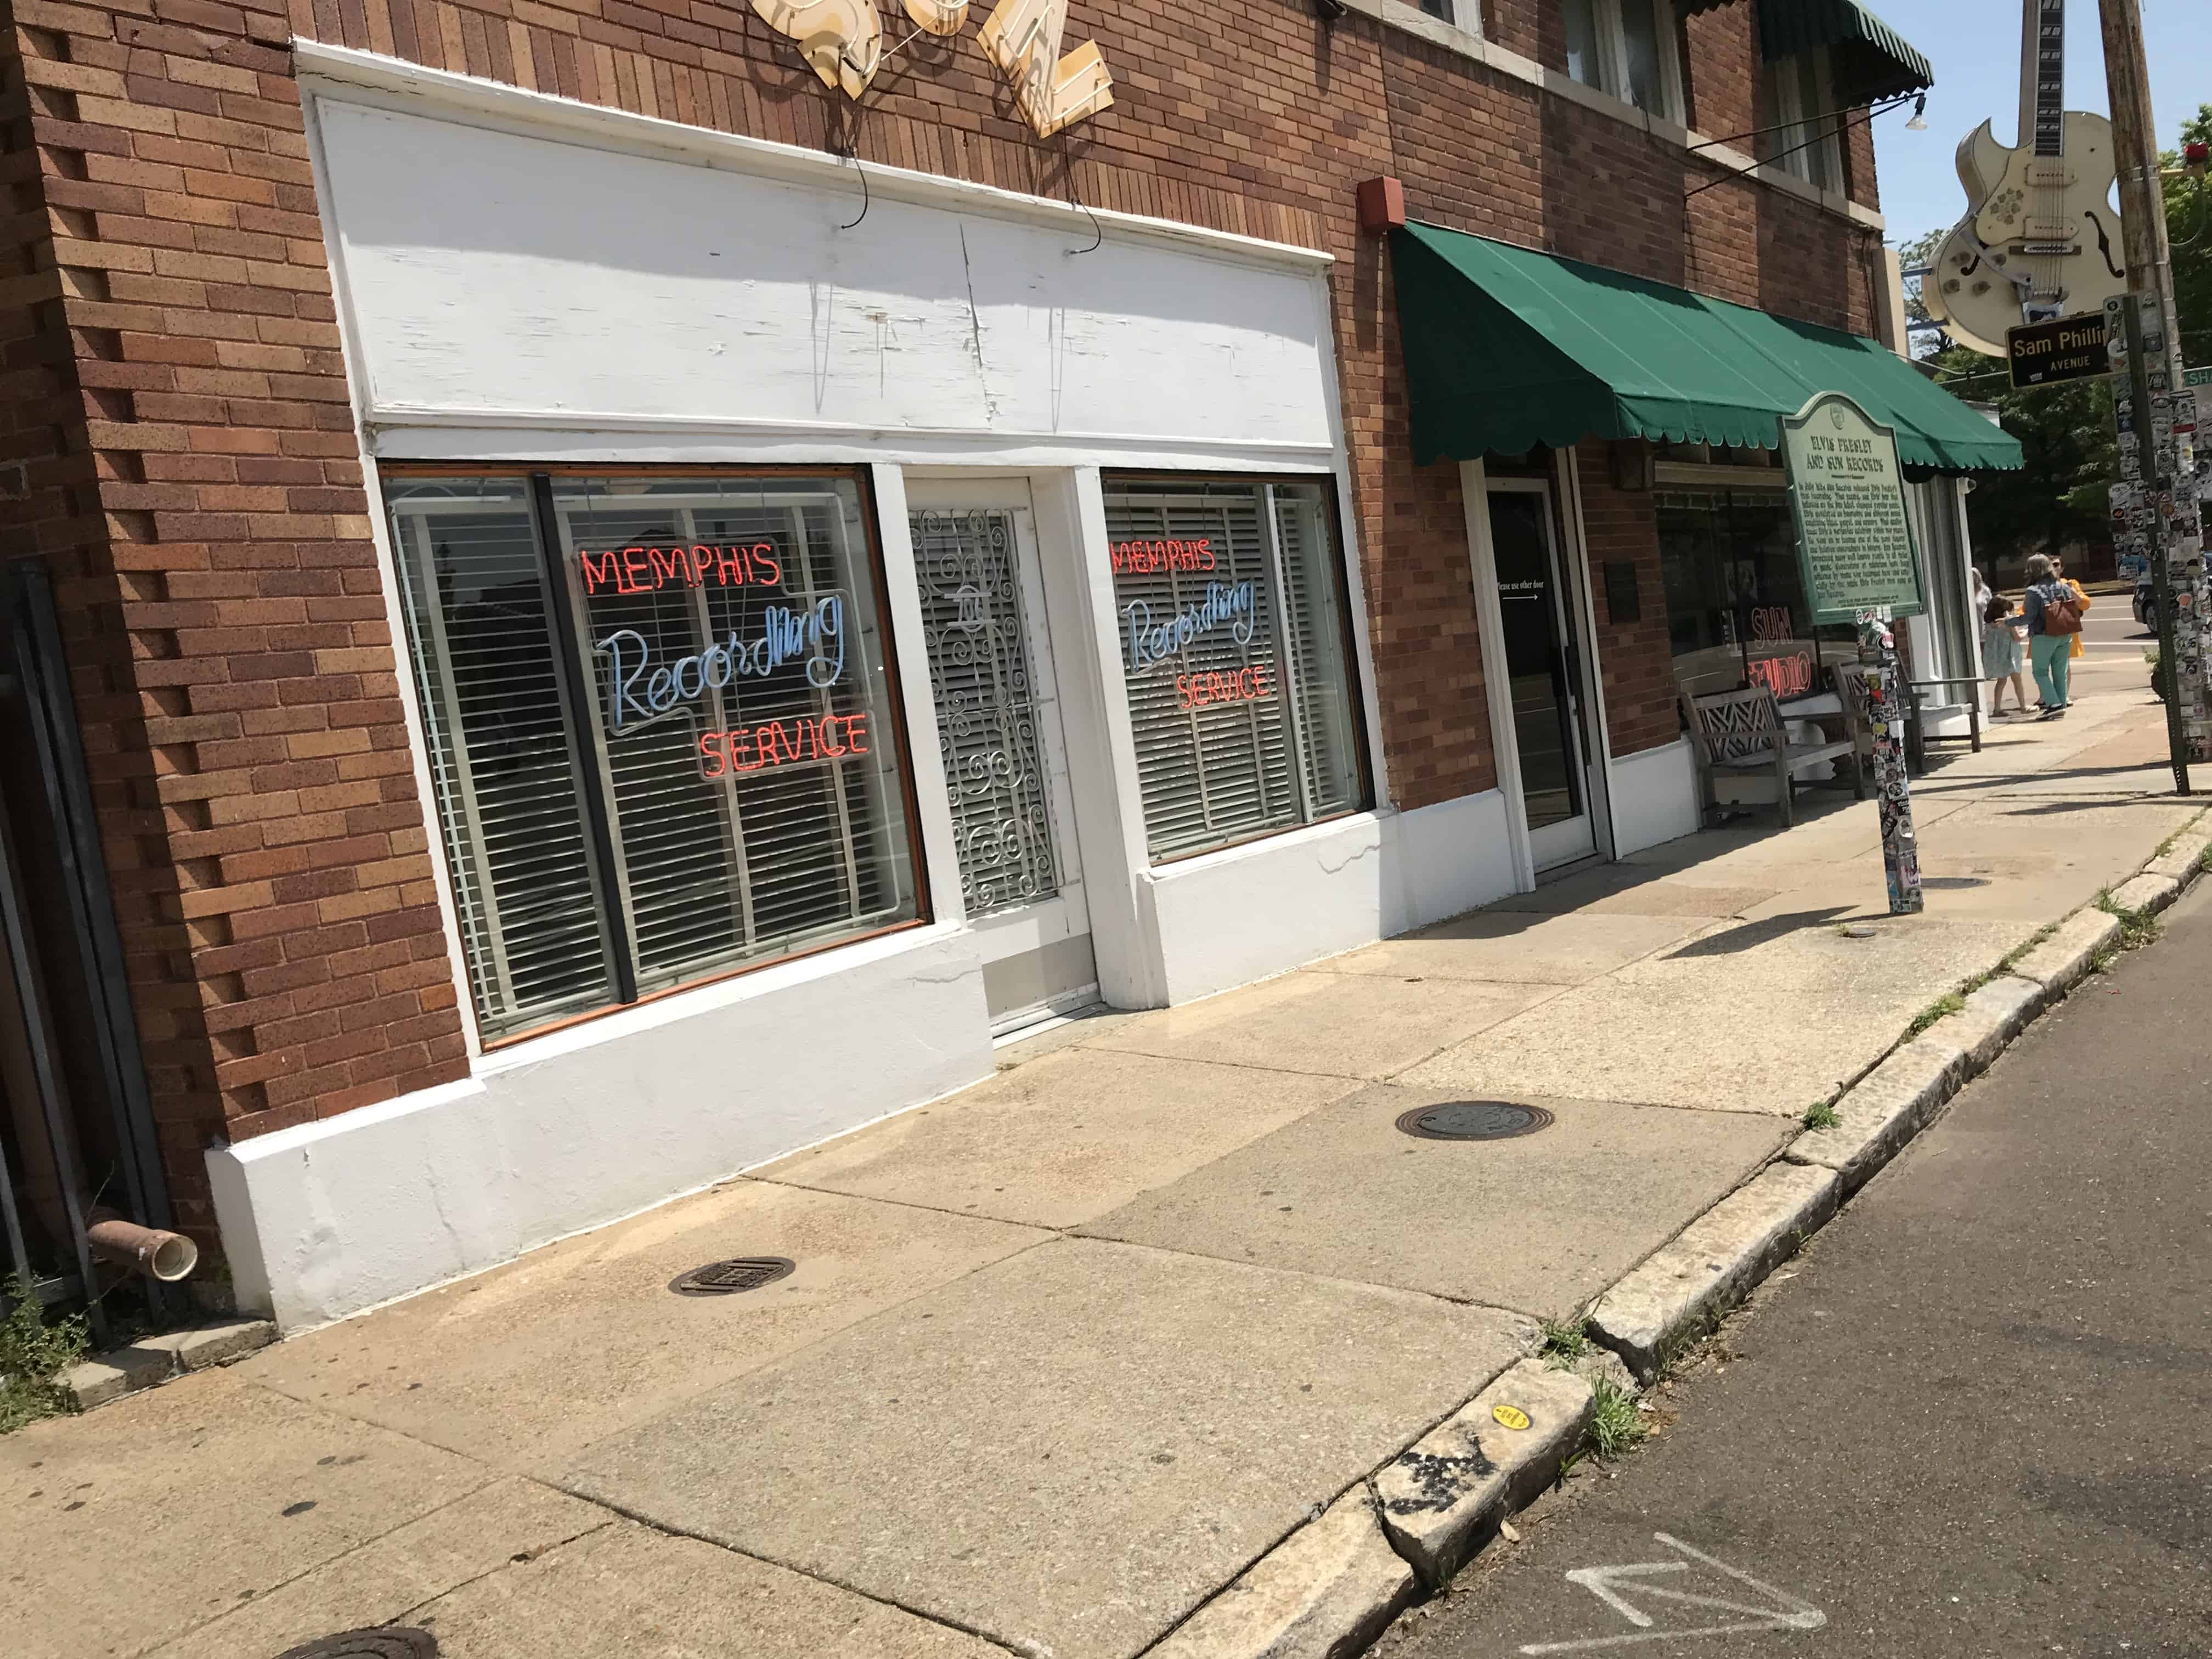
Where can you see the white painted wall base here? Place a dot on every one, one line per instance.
(588, 1125)
(1655, 797)
(1231, 917)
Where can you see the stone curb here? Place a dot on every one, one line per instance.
(2058, 963)
(156, 1359)
(2146, 895)
(2179, 860)
(1331, 1588)
(1713, 1263)
(1324, 1592)
(1443, 1497)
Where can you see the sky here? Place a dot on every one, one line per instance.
(1974, 45)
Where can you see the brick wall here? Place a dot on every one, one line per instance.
(1635, 662)
(205, 512)
(174, 381)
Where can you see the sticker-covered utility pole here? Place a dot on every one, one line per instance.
(1887, 710)
(2156, 415)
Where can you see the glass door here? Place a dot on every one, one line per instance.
(1006, 762)
(1543, 670)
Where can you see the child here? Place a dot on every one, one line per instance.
(2001, 654)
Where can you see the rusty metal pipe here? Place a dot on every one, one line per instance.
(165, 1256)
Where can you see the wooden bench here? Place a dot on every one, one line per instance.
(1851, 686)
(1743, 754)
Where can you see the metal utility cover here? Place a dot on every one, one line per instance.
(740, 1272)
(388, 1642)
(1474, 1120)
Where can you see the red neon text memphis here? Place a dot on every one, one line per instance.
(1149, 558)
(779, 743)
(644, 570)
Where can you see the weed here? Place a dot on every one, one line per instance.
(1615, 1425)
(1565, 1342)
(1949, 1003)
(2012, 957)
(1821, 1115)
(2137, 929)
(33, 1356)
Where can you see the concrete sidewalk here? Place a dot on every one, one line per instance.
(1066, 1354)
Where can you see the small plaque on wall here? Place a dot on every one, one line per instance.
(1624, 602)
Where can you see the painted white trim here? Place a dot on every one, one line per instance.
(1490, 628)
(1575, 570)
(1656, 795)
(397, 84)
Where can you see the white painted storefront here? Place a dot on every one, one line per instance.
(524, 282)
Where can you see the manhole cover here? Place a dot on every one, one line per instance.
(742, 1272)
(392, 1641)
(1954, 881)
(1474, 1120)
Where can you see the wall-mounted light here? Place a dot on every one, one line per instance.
(1919, 121)
(1329, 10)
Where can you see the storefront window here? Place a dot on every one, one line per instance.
(661, 732)
(1231, 606)
(1736, 605)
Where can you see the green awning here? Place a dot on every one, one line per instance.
(1869, 59)
(1506, 347)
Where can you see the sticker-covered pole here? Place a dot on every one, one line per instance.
(1886, 713)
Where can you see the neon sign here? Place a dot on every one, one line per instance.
(1149, 558)
(842, 41)
(1152, 643)
(775, 743)
(638, 692)
(647, 569)
(1239, 686)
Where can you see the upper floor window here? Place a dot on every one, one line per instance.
(1628, 48)
(1799, 109)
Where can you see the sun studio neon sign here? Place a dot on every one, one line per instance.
(842, 40)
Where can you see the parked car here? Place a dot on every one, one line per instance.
(2145, 599)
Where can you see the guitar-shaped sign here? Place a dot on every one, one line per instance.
(2041, 239)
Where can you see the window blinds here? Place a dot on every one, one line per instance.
(1230, 608)
(739, 742)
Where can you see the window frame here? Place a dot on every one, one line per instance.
(1611, 44)
(1797, 133)
(1365, 796)
(573, 670)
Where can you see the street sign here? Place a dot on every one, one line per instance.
(1847, 494)
(2048, 354)
(2197, 377)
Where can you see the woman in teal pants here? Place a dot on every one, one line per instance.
(2047, 649)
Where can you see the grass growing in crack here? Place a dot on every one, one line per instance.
(1565, 1343)
(33, 1356)
(2011, 957)
(2137, 929)
(1948, 1004)
(1821, 1115)
(1616, 1425)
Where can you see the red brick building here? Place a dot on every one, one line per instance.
(628, 609)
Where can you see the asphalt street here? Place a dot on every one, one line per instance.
(1973, 1417)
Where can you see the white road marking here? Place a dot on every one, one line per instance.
(1608, 1583)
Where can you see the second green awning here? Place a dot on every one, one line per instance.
(1506, 347)
(1869, 59)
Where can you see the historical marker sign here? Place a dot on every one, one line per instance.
(1847, 494)
(2070, 349)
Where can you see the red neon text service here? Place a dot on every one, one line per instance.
(779, 743)
(1244, 685)
(646, 569)
(1149, 558)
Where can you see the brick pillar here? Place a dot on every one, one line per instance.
(179, 403)
(1635, 659)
